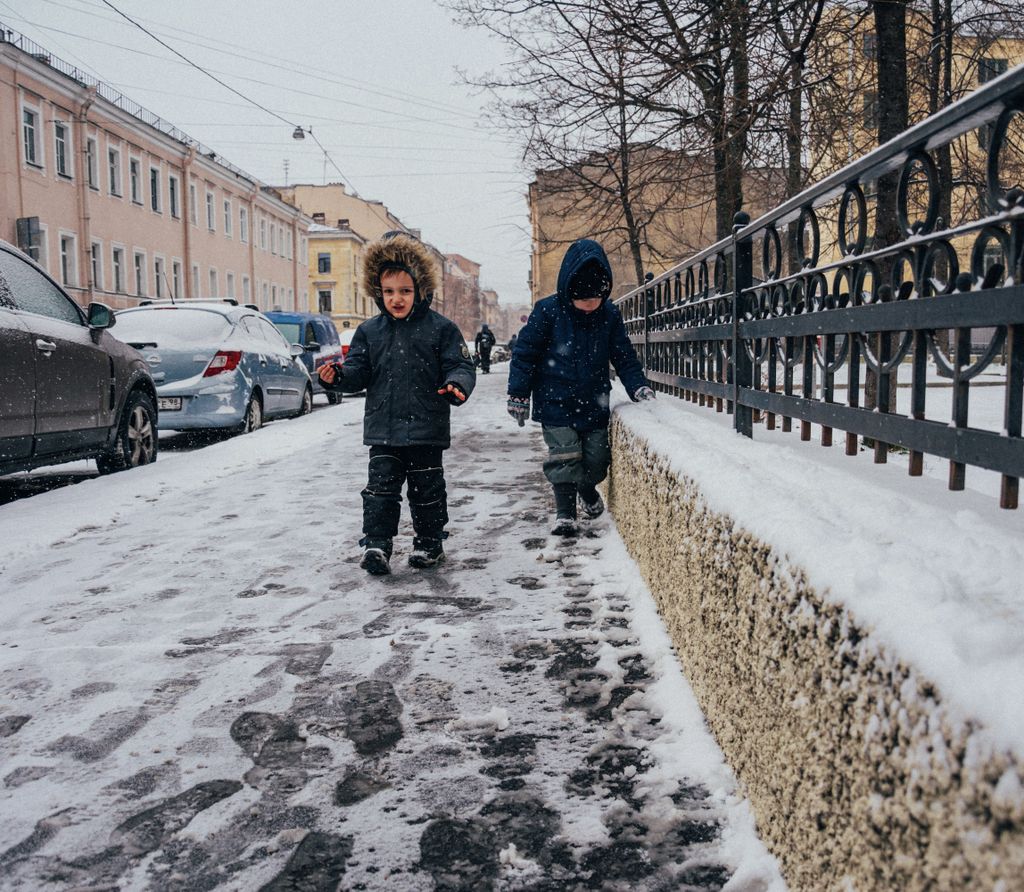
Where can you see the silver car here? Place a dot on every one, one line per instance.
(217, 364)
(68, 389)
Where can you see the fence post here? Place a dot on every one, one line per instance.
(743, 368)
(648, 301)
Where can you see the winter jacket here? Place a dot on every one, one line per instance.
(401, 363)
(562, 355)
(484, 340)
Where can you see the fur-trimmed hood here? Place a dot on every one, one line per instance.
(402, 251)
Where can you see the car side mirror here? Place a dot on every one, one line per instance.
(100, 316)
(312, 346)
(297, 350)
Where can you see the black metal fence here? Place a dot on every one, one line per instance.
(832, 324)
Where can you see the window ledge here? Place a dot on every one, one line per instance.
(65, 176)
(35, 166)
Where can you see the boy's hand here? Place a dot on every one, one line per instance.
(329, 372)
(453, 393)
(519, 408)
(643, 393)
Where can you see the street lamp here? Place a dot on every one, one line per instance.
(300, 133)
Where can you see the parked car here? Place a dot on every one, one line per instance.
(68, 389)
(217, 364)
(317, 336)
(500, 353)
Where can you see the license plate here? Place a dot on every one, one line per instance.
(169, 403)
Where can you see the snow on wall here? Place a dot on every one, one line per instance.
(863, 773)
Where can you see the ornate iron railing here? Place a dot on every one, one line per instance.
(792, 344)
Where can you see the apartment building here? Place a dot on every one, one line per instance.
(119, 205)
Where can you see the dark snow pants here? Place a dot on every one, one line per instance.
(389, 468)
(579, 457)
(485, 360)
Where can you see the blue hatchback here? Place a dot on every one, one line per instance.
(316, 335)
(217, 364)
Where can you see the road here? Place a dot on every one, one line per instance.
(202, 690)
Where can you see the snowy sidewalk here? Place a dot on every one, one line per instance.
(201, 689)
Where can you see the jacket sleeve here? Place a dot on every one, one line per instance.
(456, 366)
(623, 356)
(528, 353)
(355, 370)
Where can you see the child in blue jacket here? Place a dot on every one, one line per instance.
(561, 360)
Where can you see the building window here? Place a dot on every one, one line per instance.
(273, 297)
(229, 279)
(263, 235)
(118, 265)
(193, 210)
(243, 225)
(92, 172)
(114, 171)
(158, 276)
(96, 259)
(134, 183)
(266, 295)
(211, 219)
(154, 189)
(870, 46)
(213, 283)
(61, 150)
(68, 261)
(227, 217)
(195, 280)
(323, 263)
(246, 290)
(323, 300)
(30, 137)
(273, 238)
(172, 197)
(871, 118)
(176, 278)
(140, 273)
(989, 69)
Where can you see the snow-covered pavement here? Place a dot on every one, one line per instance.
(200, 689)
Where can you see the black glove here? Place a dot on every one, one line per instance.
(453, 393)
(519, 408)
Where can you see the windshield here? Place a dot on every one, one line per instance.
(162, 325)
(292, 331)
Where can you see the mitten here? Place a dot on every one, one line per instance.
(453, 393)
(643, 393)
(519, 408)
(337, 375)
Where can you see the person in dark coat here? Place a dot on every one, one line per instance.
(512, 343)
(561, 360)
(484, 342)
(414, 365)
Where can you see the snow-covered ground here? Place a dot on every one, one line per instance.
(199, 688)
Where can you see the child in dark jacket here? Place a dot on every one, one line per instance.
(414, 365)
(561, 359)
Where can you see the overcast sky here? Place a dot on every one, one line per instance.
(375, 79)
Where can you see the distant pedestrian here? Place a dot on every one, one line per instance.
(414, 365)
(484, 342)
(512, 343)
(561, 360)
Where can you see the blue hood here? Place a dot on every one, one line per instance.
(579, 254)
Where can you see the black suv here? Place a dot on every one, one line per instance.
(68, 389)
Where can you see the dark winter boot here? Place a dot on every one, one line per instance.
(376, 558)
(565, 510)
(426, 552)
(593, 504)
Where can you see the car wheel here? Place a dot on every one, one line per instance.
(333, 399)
(307, 403)
(136, 436)
(253, 420)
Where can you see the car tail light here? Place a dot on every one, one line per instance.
(224, 361)
(344, 350)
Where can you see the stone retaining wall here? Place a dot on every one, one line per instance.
(859, 776)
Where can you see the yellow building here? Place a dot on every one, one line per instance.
(343, 223)
(334, 257)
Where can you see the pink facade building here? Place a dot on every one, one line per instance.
(118, 205)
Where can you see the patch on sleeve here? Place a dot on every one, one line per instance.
(465, 351)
